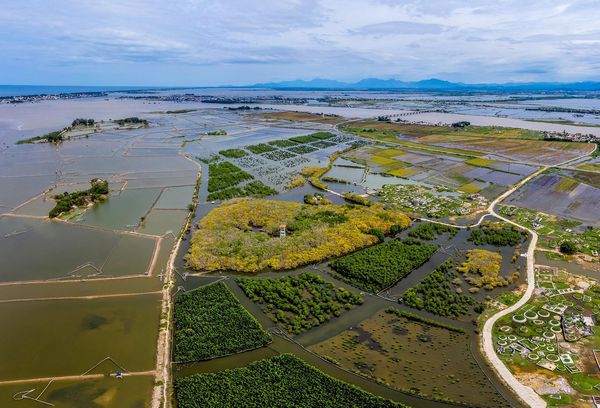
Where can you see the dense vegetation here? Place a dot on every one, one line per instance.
(134, 120)
(568, 247)
(279, 155)
(82, 122)
(224, 174)
(302, 149)
(210, 322)
(283, 143)
(416, 318)
(51, 137)
(316, 199)
(233, 153)
(66, 201)
(314, 137)
(281, 381)
(358, 199)
(497, 234)
(429, 230)
(482, 269)
(243, 235)
(299, 302)
(381, 266)
(436, 295)
(260, 148)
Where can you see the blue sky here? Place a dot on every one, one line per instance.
(196, 42)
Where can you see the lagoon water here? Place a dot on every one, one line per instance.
(73, 293)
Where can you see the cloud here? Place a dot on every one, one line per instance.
(399, 28)
(239, 41)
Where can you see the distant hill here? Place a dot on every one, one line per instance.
(432, 84)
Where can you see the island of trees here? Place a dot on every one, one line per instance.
(436, 295)
(497, 234)
(243, 234)
(210, 322)
(66, 201)
(299, 302)
(381, 266)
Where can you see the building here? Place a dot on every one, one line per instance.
(282, 230)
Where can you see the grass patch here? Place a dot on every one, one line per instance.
(566, 185)
(210, 322)
(381, 160)
(480, 162)
(469, 188)
(381, 266)
(254, 188)
(299, 302)
(401, 172)
(233, 153)
(283, 143)
(389, 152)
(260, 148)
(281, 381)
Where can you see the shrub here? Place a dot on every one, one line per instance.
(568, 247)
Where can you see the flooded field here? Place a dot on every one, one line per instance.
(122, 328)
(561, 195)
(81, 296)
(87, 288)
(411, 356)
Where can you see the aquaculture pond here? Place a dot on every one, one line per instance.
(81, 294)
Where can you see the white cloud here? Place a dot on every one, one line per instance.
(203, 41)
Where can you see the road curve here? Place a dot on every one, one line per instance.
(526, 394)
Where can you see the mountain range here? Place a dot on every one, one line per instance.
(432, 84)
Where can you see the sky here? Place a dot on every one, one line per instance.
(238, 42)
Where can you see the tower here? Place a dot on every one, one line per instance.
(281, 230)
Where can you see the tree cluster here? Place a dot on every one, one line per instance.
(436, 295)
(299, 302)
(429, 230)
(210, 322)
(381, 266)
(66, 201)
(281, 381)
(497, 234)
